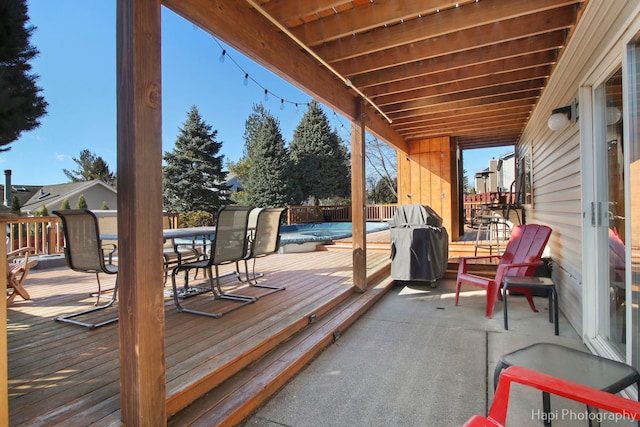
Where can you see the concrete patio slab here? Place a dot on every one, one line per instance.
(415, 359)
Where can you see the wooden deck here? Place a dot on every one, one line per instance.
(62, 374)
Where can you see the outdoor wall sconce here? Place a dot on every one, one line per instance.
(613, 114)
(561, 117)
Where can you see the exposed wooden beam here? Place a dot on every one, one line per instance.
(258, 40)
(367, 17)
(416, 30)
(456, 105)
(292, 10)
(467, 112)
(514, 48)
(482, 121)
(139, 131)
(471, 128)
(469, 95)
(537, 59)
(471, 38)
(485, 81)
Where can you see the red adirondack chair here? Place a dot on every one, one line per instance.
(521, 257)
(580, 393)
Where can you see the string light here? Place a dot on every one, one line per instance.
(267, 92)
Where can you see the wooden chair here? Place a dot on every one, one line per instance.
(18, 267)
(521, 257)
(229, 246)
(580, 393)
(83, 252)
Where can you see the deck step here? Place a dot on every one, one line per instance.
(237, 398)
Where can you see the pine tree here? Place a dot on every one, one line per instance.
(320, 160)
(41, 211)
(15, 206)
(21, 104)
(90, 167)
(265, 182)
(82, 202)
(65, 204)
(193, 178)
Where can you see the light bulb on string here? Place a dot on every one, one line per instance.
(246, 79)
(296, 107)
(282, 104)
(222, 55)
(266, 95)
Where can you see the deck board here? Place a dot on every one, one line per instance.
(62, 374)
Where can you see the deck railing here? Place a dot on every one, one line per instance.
(44, 234)
(476, 204)
(307, 214)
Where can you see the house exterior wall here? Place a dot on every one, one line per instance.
(499, 180)
(425, 177)
(557, 158)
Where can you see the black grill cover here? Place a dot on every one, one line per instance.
(419, 244)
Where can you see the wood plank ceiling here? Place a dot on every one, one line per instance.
(470, 69)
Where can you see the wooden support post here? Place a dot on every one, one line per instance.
(358, 201)
(4, 365)
(140, 299)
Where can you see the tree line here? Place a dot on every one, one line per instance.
(313, 167)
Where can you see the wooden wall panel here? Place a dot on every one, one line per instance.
(428, 176)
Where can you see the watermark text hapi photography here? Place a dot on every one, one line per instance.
(570, 414)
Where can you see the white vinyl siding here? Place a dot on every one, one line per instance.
(557, 162)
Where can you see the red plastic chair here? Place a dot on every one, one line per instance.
(521, 257)
(546, 383)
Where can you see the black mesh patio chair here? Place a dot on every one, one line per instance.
(83, 252)
(229, 246)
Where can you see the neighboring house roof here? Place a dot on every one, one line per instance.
(22, 192)
(233, 182)
(32, 197)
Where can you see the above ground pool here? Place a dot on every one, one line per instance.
(305, 237)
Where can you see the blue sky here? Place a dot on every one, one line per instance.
(77, 69)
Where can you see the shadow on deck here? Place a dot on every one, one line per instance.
(62, 374)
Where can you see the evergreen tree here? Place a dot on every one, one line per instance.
(15, 206)
(42, 211)
(385, 192)
(265, 183)
(320, 160)
(90, 167)
(193, 178)
(21, 104)
(65, 204)
(82, 202)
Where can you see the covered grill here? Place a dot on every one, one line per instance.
(419, 244)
